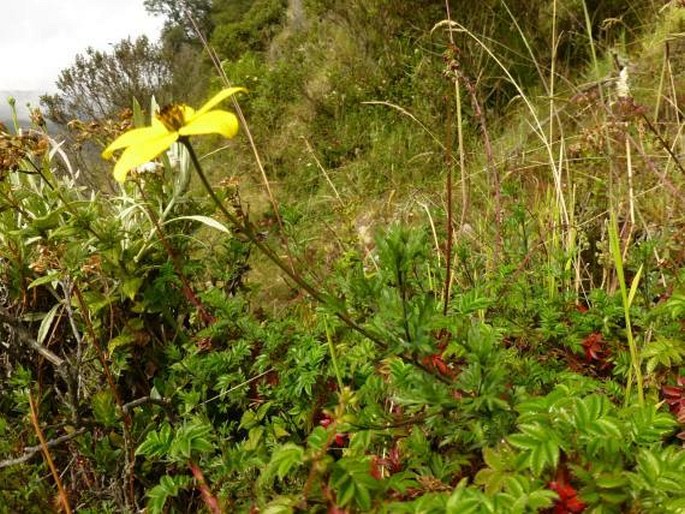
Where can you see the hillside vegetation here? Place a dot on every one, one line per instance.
(440, 268)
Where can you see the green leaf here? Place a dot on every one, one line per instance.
(168, 487)
(104, 408)
(46, 323)
(351, 481)
(607, 481)
(210, 222)
(156, 444)
(131, 286)
(633, 285)
(189, 438)
(254, 437)
(317, 439)
(360, 441)
(281, 505)
(648, 426)
(465, 500)
(285, 458)
(45, 279)
(540, 445)
(121, 340)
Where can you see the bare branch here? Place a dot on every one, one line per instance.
(31, 451)
(25, 338)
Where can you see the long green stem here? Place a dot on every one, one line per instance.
(244, 226)
(627, 299)
(248, 230)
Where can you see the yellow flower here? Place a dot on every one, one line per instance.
(168, 125)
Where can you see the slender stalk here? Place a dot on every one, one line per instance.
(627, 299)
(450, 215)
(128, 421)
(48, 458)
(188, 292)
(207, 496)
(246, 127)
(247, 229)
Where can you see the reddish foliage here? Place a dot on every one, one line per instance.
(596, 351)
(674, 396)
(340, 439)
(437, 363)
(392, 463)
(568, 502)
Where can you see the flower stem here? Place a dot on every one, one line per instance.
(248, 229)
(245, 226)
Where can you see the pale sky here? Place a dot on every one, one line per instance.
(39, 38)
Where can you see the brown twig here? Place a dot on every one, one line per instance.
(48, 458)
(210, 500)
(29, 341)
(128, 422)
(188, 292)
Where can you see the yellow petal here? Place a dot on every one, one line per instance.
(214, 122)
(219, 97)
(188, 112)
(138, 154)
(132, 137)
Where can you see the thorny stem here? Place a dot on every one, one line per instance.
(246, 228)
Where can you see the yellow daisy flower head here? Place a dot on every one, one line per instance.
(168, 125)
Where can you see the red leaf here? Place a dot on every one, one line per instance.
(575, 504)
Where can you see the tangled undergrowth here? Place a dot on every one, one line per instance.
(512, 340)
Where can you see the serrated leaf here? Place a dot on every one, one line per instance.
(254, 437)
(104, 408)
(279, 431)
(285, 458)
(189, 438)
(281, 505)
(130, 287)
(156, 443)
(649, 466)
(351, 481)
(247, 420)
(121, 340)
(317, 439)
(360, 441)
(168, 487)
(464, 500)
(611, 481)
(522, 441)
